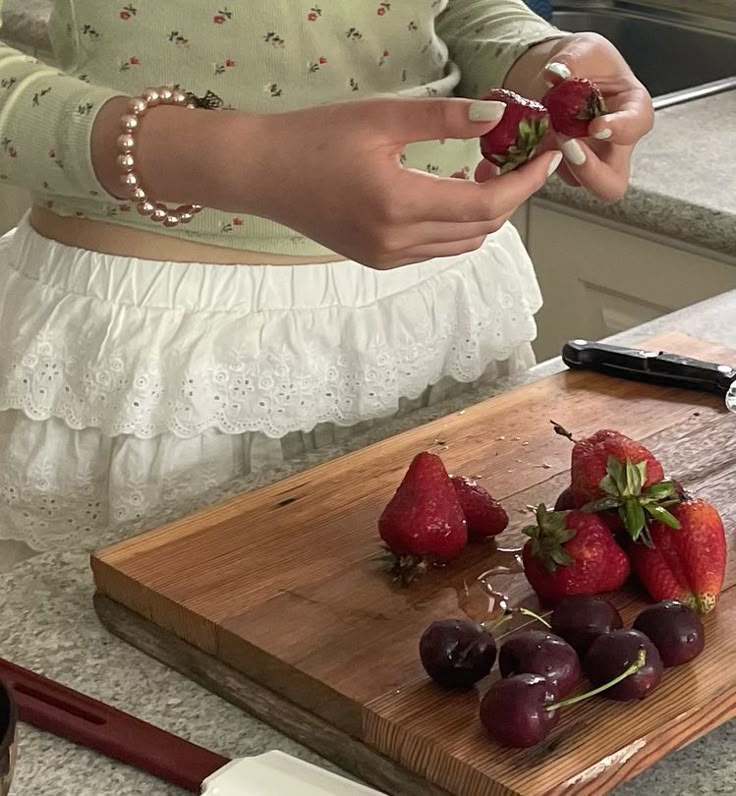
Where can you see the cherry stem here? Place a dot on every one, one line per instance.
(491, 626)
(530, 613)
(562, 431)
(641, 659)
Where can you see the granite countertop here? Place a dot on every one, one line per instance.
(676, 191)
(50, 627)
(46, 610)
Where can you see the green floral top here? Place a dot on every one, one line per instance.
(271, 55)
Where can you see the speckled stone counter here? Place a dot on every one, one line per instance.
(46, 614)
(683, 182)
(48, 625)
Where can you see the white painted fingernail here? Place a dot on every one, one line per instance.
(486, 111)
(561, 70)
(554, 164)
(603, 134)
(573, 152)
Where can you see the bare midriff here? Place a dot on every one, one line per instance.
(108, 238)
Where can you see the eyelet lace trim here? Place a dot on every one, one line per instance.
(147, 371)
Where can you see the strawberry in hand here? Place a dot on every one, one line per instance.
(516, 138)
(572, 105)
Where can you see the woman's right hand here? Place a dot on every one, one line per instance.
(333, 173)
(330, 172)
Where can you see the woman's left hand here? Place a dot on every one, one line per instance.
(602, 163)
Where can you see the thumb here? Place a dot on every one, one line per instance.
(408, 120)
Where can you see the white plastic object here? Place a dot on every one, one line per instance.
(278, 774)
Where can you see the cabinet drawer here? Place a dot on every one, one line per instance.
(597, 280)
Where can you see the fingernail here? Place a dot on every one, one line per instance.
(573, 152)
(561, 70)
(554, 164)
(601, 135)
(486, 111)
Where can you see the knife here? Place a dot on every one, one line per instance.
(55, 708)
(653, 367)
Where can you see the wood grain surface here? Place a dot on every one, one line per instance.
(282, 586)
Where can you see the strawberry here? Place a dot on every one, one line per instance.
(515, 139)
(572, 104)
(572, 553)
(484, 515)
(688, 564)
(590, 458)
(423, 522)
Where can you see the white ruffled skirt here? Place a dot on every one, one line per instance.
(130, 387)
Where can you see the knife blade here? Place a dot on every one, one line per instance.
(653, 367)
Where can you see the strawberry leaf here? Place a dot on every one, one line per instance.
(604, 504)
(609, 486)
(634, 518)
(548, 537)
(662, 515)
(660, 491)
(646, 538)
(562, 557)
(633, 478)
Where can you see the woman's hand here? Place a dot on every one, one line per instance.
(602, 163)
(331, 172)
(334, 174)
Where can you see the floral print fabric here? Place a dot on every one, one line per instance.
(254, 56)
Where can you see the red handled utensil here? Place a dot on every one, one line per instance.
(55, 708)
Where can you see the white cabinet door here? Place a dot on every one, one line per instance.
(598, 280)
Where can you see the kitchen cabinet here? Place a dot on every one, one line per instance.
(599, 278)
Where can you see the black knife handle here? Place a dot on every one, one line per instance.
(653, 367)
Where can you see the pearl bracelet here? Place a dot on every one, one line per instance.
(137, 107)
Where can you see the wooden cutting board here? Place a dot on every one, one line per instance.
(276, 596)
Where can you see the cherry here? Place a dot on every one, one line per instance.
(566, 500)
(582, 618)
(457, 653)
(611, 654)
(514, 711)
(539, 652)
(520, 711)
(675, 630)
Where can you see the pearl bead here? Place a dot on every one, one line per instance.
(126, 142)
(146, 208)
(191, 106)
(126, 162)
(137, 106)
(151, 96)
(129, 180)
(129, 122)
